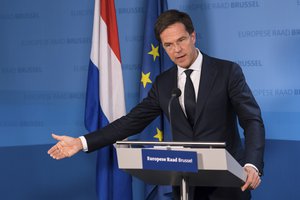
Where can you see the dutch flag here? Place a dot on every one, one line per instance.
(105, 100)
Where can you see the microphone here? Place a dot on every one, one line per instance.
(176, 92)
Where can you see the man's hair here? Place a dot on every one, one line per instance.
(171, 17)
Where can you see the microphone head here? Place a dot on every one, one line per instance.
(176, 92)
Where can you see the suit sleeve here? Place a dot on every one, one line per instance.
(249, 116)
(134, 122)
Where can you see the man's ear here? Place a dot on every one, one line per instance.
(193, 36)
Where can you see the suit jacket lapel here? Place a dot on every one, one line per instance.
(174, 81)
(208, 75)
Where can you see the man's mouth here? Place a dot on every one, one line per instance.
(180, 57)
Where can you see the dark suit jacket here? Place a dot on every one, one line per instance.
(223, 95)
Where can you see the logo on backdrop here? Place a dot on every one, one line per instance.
(220, 5)
(250, 63)
(132, 10)
(82, 12)
(20, 16)
(276, 92)
(269, 33)
(57, 41)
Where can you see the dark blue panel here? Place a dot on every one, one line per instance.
(281, 178)
(29, 173)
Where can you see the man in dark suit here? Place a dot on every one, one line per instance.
(214, 94)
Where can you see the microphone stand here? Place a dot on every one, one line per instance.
(175, 93)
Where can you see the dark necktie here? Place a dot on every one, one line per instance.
(189, 97)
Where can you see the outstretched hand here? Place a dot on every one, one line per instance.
(65, 147)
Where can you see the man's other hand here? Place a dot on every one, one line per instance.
(253, 179)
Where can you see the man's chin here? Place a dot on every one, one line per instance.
(182, 65)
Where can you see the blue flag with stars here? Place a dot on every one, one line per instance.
(154, 61)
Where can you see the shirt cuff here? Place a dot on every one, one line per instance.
(253, 166)
(84, 143)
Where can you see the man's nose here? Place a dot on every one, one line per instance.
(177, 47)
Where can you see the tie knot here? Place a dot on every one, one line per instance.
(188, 72)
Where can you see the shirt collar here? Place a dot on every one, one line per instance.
(196, 66)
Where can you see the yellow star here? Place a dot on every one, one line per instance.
(154, 52)
(145, 79)
(159, 135)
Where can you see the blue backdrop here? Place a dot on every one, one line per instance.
(44, 55)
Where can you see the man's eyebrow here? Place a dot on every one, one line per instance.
(182, 37)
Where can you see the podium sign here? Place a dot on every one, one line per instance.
(167, 160)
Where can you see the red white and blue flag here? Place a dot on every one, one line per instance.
(105, 100)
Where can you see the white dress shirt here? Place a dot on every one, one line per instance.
(195, 77)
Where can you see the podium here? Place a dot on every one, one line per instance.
(210, 164)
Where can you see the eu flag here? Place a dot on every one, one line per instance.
(154, 62)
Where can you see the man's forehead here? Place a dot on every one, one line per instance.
(174, 27)
(173, 33)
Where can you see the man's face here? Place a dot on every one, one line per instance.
(179, 45)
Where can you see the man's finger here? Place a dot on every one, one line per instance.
(57, 155)
(248, 183)
(246, 186)
(57, 137)
(54, 152)
(53, 149)
(256, 183)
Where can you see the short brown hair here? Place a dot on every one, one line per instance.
(171, 17)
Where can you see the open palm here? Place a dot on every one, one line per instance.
(65, 147)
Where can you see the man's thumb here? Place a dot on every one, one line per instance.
(57, 137)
